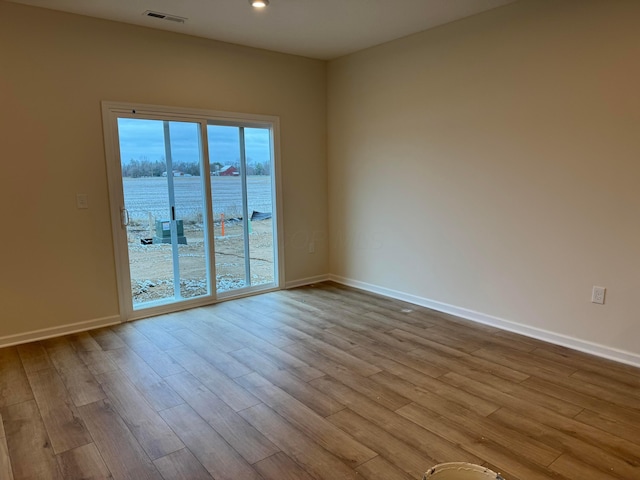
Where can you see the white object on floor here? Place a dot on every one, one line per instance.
(461, 471)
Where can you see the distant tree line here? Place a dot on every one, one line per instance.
(143, 168)
(148, 168)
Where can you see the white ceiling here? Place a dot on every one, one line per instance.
(323, 29)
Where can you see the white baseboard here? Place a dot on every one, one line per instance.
(306, 281)
(585, 346)
(45, 333)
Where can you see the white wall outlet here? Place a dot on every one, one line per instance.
(312, 247)
(82, 200)
(597, 295)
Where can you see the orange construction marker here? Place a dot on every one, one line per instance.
(222, 223)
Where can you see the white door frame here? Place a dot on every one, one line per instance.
(111, 111)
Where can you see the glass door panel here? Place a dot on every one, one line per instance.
(190, 209)
(228, 211)
(164, 203)
(242, 195)
(260, 205)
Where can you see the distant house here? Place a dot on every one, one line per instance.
(229, 171)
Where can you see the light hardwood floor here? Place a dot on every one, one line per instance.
(320, 382)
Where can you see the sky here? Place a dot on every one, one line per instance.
(144, 139)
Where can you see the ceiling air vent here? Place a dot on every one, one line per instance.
(164, 16)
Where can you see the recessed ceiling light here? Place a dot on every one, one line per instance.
(259, 3)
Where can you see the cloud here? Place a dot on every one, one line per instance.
(141, 138)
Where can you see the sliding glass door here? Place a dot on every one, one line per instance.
(241, 188)
(164, 210)
(194, 207)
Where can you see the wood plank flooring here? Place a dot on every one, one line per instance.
(321, 382)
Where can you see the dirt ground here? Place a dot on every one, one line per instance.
(152, 265)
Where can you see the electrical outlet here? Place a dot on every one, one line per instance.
(312, 247)
(597, 296)
(82, 201)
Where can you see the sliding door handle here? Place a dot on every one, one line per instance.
(124, 217)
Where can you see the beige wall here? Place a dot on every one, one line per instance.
(493, 164)
(57, 262)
